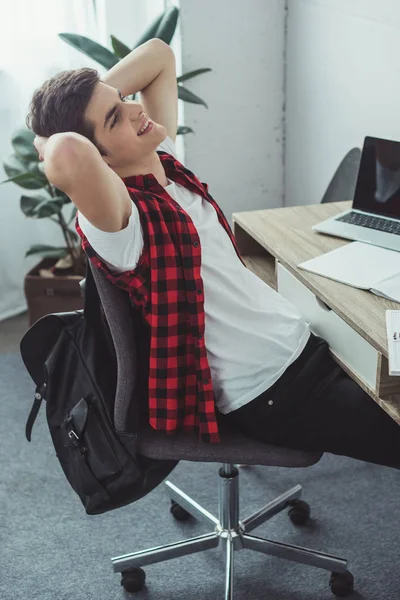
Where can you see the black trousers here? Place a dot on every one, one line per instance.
(316, 406)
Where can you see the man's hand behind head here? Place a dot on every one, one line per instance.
(62, 153)
(40, 144)
(43, 143)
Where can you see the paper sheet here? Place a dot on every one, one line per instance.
(389, 288)
(357, 264)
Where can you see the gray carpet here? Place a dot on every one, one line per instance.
(50, 549)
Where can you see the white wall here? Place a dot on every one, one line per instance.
(342, 84)
(126, 19)
(237, 145)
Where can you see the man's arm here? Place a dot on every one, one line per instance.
(74, 165)
(151, 70)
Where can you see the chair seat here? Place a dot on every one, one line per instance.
(235, 447)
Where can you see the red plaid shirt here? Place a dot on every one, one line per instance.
(167, 287)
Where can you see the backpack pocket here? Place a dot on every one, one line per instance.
(88, 431)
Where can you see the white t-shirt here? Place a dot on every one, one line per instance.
(252, 334)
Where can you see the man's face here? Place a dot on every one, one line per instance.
(117, 122)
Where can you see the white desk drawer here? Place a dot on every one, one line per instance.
(349, 346)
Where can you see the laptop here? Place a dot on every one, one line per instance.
(375, 214)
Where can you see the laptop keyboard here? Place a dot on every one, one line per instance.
(371, 222)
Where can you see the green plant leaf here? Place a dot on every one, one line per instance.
(47, 251)
(119, 47)
(33, 167)
(51, 207)
(182, 129)
(191, 74)
(39, 206)
(61, 195)
(188, 96)
(73, 234)
(28, 181)
(166, 28)
(30, 203)
(149, 33)
(73, 214)
(22, 142)
(96, 51)
(15, 165)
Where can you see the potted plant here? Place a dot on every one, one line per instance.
(52, 285)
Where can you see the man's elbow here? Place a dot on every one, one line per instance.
(64, 154)
(164, 48)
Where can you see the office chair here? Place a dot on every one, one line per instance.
(228, 531)
(343, 183)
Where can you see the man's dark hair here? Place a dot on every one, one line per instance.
(60, 103)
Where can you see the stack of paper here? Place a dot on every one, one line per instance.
(360, 265)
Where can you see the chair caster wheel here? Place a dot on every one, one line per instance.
(341, 584)
(299, 512)
(133, 579)
(178, 512)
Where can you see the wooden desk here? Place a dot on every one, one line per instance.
(272, 243)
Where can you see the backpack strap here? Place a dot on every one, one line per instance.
(39, 396)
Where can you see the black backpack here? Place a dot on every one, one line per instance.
(72, 360)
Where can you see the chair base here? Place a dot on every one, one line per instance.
(230, 533)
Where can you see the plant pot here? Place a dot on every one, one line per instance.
(47, 295)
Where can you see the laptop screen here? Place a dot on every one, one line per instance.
(378, 183)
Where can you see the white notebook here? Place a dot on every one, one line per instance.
(360, 265)
(393, 337)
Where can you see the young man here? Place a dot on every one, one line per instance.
(223, 344)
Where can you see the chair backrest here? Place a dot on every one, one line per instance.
(343, 184)
(118, 312)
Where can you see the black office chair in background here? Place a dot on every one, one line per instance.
(343, 183)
